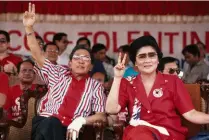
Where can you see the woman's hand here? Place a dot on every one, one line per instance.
(119, 69)
(29, 16)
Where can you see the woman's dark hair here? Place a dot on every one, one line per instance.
(141, 42)
(81, 47)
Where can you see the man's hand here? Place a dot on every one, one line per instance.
(29, 16)
(29, 19)
(2, 99)
(74, 128)
(10, 67)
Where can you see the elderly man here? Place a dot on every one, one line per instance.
(72, 97)
(26, 75)
(168, 65)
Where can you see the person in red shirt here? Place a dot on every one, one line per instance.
(73, 99)
(151, 98)
(26, 76)
(8, 61)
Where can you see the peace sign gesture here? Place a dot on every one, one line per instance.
(119, 69)
(29, 16)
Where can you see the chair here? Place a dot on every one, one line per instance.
(195, 94)
(3, 125)
(205, 99)
(21, 129)
(193, 129)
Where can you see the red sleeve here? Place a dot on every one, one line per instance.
(4, 87)
(14, 93)
(4, 83)
(182, 99)
(9, 100)
(123, 94)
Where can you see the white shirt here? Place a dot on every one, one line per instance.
(186, 65)
(63, 59)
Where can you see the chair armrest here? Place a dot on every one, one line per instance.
(4, 131)
(118, 129)
(93, 132)
(99, 129)
(1, 112)
(4, 127)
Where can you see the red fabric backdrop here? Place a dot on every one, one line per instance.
(110, 7)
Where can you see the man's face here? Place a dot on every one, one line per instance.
(52, 53)
(84, 42)
(26, 74)
(62, 44)
(171, 68)
(4, 44)
(100, 55)
(190, 58)
(81, 62)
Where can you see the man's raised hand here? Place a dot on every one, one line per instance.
(29, 16)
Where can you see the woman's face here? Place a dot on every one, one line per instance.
(81, 62)
(146, 60)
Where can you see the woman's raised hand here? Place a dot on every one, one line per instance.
(119, 69)
(29, 16)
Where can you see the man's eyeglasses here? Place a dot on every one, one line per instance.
(27, 70)
(52, 51)
(81, 57)
(172, 71)
(143, 56)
